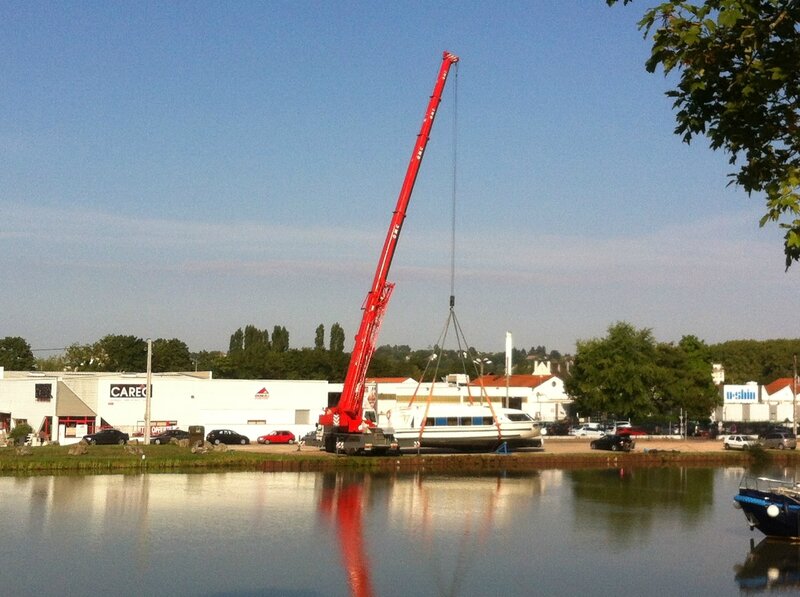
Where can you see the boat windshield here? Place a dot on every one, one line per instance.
(519, 416)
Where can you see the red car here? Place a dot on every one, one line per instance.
(631, 431)
(277, 437)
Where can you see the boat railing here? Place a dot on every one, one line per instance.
(767, 484)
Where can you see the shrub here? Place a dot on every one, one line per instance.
(20, 433)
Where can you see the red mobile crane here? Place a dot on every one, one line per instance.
(344, 427)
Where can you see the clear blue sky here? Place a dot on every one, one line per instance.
(184, 169)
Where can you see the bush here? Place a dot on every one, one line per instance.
(20, 433)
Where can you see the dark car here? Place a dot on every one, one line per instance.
(227, 436)
(277, 437)
(615, 443)
(169, 434)
(556, 428)
(107, 437)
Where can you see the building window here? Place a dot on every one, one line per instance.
(302, 417)
(44, 392)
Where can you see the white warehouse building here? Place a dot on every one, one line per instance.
(751, 402)
(64, 406)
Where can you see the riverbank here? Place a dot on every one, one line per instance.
(558, 453)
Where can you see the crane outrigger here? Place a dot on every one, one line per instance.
(344, 427)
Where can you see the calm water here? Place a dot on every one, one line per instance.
(597, 532)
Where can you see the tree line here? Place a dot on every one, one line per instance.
(626, 373)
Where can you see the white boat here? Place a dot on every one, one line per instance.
(464, 427)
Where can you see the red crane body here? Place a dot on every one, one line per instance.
(347, 415)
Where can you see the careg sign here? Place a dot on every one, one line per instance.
(129, 390)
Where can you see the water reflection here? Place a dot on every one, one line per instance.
(430, 507)
(549, 533)
(616, 497)
(772, 565)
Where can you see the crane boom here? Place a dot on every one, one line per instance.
(347, 415)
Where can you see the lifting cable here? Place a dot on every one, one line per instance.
(463, 349)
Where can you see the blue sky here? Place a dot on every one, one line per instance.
(184, 169)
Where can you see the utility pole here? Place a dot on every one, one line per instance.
(794, 394)
(147, 392)
(509, 365)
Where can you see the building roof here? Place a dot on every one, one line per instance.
(389, 379)
(69, 404)
(514, 381)
(779, 384)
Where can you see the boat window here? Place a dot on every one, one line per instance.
(518, 417)
(466, 421)
(441, 421)
(430, 422)
(452, 421)
(477, 421)
(488, 421)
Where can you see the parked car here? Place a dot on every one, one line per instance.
(615, 443)
(740, 442)
(164, 438)
(556, 428)
(107, 437)
(780, 440)
(226, 436)
(277, 437)
(631, 431)
(589, 430)
(310, 437)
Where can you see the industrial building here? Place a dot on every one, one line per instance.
(751, 403)
(64, 406)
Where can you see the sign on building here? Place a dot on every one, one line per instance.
(129, 390)
(747, 394)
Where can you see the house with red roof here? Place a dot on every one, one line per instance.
(751, 402)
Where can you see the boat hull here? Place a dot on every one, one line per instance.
(458, 429)
(772, 513)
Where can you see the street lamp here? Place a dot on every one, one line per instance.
(481, 362)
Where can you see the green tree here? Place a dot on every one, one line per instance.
(171, 355)
(280, 339)
(16, 354)
(684, 381)
(615, 375)
(739, 85)
(51, 363)
(337, 338)
(762, 361)
(206, 360)
(319, 337)
(236, 344)
(255, 338)
(123, 353)
(84, 357)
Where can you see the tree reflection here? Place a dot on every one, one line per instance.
(627, 501)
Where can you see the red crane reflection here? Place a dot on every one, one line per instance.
(341, 505)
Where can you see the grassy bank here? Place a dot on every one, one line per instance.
(171, 458)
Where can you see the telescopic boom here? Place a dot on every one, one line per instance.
(347, 415)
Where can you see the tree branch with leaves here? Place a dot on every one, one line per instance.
(738, 67)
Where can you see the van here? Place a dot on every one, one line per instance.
(779, 440)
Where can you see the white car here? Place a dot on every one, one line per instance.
(740, 442)
(588, 431)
